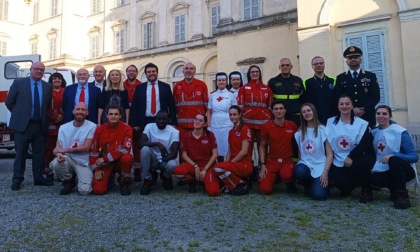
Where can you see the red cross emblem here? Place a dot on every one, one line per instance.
(75, 145)
(308, 147)
(219, 99)
(344, 143)
(381, 147)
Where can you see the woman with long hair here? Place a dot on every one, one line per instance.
(218, 113)
(351, 143)
(199, 152)
(315, 153)
(237, 168)
(114, 94)
(395, 158)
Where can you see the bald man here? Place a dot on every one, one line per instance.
(99, 73)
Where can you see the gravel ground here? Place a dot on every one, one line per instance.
(38, 219)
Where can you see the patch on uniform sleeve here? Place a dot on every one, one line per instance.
(198, 93)
(128, 142)
(247, 88)
(248, 133)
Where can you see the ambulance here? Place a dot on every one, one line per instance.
(11, 68)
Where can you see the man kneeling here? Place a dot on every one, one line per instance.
(72, 152)
(110, 153)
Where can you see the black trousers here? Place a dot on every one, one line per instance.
(399, 173)
(348, 178)
(32, 135)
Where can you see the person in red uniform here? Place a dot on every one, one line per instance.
(199, 151)
(235, 172)
(130, 84)
(255, 99)
(278, 136)
(55, 120)
(110, 152)
(191, 97)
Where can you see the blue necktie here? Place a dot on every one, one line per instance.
(354, 75)
(37, 104)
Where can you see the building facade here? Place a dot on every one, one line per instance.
(224, 35)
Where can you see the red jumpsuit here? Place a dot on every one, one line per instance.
(113, 144)
(199, 150)
(232, 173)
(190, 100)
(136, 134)
(54, 124)
(279, 159)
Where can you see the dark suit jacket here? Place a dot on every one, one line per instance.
(103, 85)
(69, 102)
(364, 91)
(138, 106)
(19, 103)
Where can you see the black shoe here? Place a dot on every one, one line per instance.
(167, 182)
(125, 186)
(239, 190)
(366, 195)
(65, 191)
(403, 200)
(68, 186)
(181, 183)
(15, 186)
(125, 191)
(192, 187)
(345, 193)
(43, 182)
(291, 187)
(147, 187)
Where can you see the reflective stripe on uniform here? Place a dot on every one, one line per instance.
(256, 104)
(259, 122)
(185, 120)
(186, 103)
(286, 97)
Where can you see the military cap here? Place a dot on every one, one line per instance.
(352, 51)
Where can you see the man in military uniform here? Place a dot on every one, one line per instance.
(359, 84)
(287, 87)
(319, 90)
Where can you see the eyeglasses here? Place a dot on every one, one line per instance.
(353, 57)
(39, 69)
(284, 65)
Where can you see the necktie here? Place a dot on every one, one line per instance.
(354, 75)
(153, 109)
(82, 95)
(37, 104)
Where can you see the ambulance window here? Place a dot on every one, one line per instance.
(18, 69)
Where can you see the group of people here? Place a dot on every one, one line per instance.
(318, 133)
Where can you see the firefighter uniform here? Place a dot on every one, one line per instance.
(113, 144)
(288, 90)
(190, 99)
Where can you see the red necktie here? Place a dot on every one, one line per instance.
(82, 95)
(153, 109)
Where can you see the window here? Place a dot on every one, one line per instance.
(35, 16)
(180, 28)
(148, 34)
(373, 57)
(53, 48)
(94, 47)
(120, 41)
(178, 72)
(251, 9)
(215, 18)
(96, 6)
(4, 9)
(54, 8)
(3, 48)
(34, 48)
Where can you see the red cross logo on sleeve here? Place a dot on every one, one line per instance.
(308, 147)
(219, 99)
(381, 147)
(75, 145)
(344, 143)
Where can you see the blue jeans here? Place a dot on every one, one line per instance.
(303, 174)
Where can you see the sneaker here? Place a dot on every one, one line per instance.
(147, 187)
(366, 195)
(192, 187)
(68, 186)
(240, 189)
(167, 183)
(403, 200)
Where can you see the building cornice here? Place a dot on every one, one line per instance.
(409, 15)
(307, 32)
(359, 21)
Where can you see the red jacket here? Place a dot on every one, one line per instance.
(110, 143)
(190, 100)
(130, 89)
(255, 100)
(54, 111)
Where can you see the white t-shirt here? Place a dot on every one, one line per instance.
(70, 136)
(312, 150)
(166, 136)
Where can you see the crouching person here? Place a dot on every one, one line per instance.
(72, 152)
(159, 146)
(110, 153)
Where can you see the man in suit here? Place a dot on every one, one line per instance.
(99, 73)
(28, 100)
(148, 99)
(362, 86)
(80, 92)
